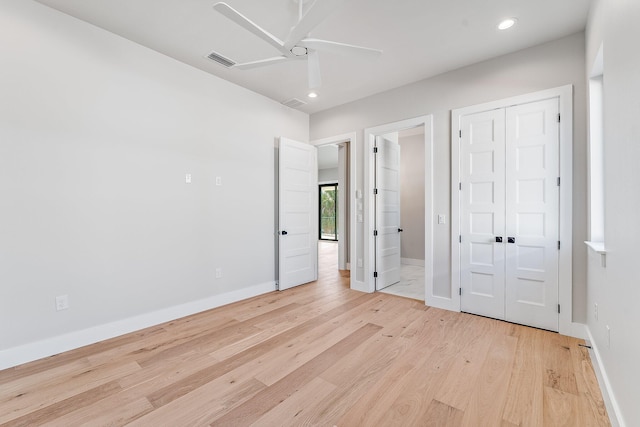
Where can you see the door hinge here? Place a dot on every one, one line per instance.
(460, 238)
(558, 181)
(375, 150)
(375, 232)
(375, 274)
(558, 308)
(459, 291)
(558, 117)
(460, 133)
(558, 244)
(375, 191)
(277, 286)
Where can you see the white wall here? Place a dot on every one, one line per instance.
(328, 175)
(616, 287)
(553, 64)
(412, 196)
(96, 136)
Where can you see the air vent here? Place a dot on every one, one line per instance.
(294, 103)
(221, 59)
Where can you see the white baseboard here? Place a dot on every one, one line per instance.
(359, 286)
(442, 303)
(55, 345)
(613, 409)
(411, 261)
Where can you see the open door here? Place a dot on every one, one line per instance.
(298, 214)
(387, 201)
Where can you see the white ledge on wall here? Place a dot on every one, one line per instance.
(598, 247)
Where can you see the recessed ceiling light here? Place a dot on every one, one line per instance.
(312, 95)
(507, 23)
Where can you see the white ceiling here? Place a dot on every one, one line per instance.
(420, 38)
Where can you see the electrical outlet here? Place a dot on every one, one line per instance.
(218, 273)
(442, 219)
(218, 180)
(187, 178)
(62, 302)
(595, 311)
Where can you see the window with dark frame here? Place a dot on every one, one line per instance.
(328, 207)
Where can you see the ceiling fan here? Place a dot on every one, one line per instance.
(297, 44)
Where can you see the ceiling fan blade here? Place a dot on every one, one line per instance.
(249, 25)
(318, 11)
(313, 68)
(338, 48)
(261, 62)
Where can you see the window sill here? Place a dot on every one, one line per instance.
(599, 248)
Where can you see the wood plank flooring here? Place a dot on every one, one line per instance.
(319, 354)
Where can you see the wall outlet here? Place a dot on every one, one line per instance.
(218, 273)
(442, 219)
(595, 311)
(187, 178)
(62, 302)
(218, 180)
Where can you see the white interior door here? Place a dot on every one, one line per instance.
(298, 214)
(482, 225)
(532, 212)
(387, 201)
(509, 222)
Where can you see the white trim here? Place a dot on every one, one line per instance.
(412, 261)
(351, 139)
(72, 340)
(565, 96)
(613, 408)
(369, 142)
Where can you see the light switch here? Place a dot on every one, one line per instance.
(187, 178)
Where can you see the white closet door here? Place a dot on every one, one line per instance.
(532, 214)
(387, 212)
(482, 213)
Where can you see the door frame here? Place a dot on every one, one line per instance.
(368, 200)
(565, 275)
(349, 138)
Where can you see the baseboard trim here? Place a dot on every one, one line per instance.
(613, 409)
(359, 286)
(48, 347)
(411, 261)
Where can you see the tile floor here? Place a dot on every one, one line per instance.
(411, 283)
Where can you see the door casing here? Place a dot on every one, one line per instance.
(565, 276)
(367, 284)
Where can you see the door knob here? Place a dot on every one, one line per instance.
(498, 239)
(284, 233)
(511, 239)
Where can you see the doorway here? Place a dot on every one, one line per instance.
(374, 223)
(335, 195)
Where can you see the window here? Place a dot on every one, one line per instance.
(328, 212)
(596, 152)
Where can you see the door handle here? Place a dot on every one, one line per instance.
(284, 233)
(400, 230)
(511, 239)
(498, 239)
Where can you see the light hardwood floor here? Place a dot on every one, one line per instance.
(319, 354)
